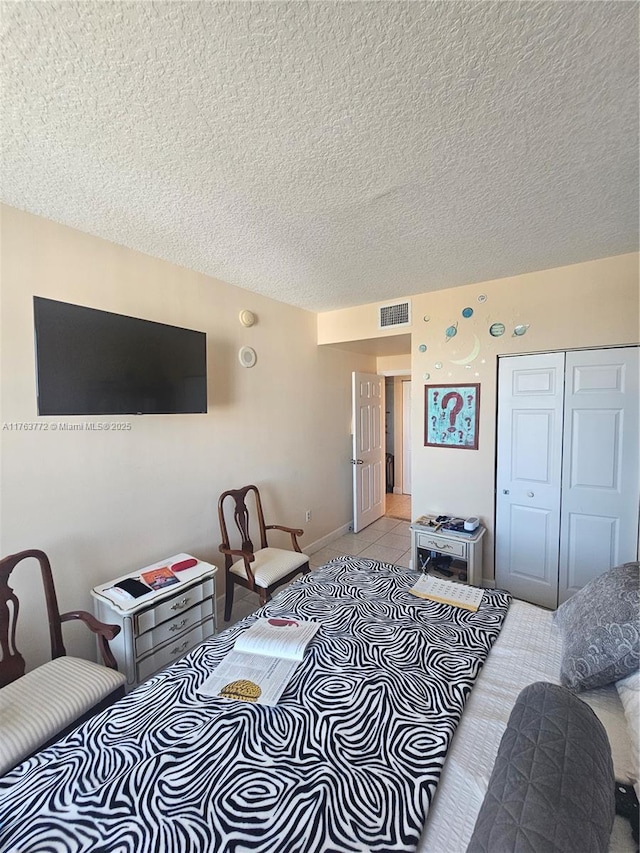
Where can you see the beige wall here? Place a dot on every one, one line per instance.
(105, 503)
(394, 365)
(584, 305)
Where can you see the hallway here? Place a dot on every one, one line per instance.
(398, 506)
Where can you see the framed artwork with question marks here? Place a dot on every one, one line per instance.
(451, 414)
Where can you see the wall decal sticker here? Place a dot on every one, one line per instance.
(475, 352)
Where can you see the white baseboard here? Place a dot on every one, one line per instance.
(326, 540)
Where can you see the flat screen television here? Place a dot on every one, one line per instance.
(92, 362)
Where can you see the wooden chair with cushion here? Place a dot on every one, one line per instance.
(38, 708)
(261, 570)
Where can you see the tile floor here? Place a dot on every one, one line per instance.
(387, 539)
(398, 506)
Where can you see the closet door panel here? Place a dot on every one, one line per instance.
(592, 542)
(530, 407)
(591, 430)
(599, 512)
(531, 559)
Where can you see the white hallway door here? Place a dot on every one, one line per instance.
(567, 470)
(368, 449)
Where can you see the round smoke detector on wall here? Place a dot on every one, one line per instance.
(247, 318)
(247, 356)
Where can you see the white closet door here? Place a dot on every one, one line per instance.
(529, 464)
(599, 517)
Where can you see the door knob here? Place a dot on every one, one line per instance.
(357, 462)
(529, 494)
(505, 491)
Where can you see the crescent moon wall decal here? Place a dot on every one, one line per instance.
(475, 352)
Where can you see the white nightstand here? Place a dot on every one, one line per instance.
(161, 626)
(465, 550)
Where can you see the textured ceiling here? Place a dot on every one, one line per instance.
(329, 154)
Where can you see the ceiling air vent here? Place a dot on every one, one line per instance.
(392, 316)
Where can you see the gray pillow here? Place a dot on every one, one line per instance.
(600, 632)
(552, 785)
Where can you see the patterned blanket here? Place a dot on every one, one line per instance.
(348, 760)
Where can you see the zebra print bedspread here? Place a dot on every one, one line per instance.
(348, 760)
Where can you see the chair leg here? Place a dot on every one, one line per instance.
(228, 598)
(264, 596)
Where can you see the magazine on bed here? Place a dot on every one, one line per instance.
(262, 661)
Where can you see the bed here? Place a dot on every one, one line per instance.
(529, 649)
(368, 749)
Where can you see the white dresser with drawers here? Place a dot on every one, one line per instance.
(162, 625)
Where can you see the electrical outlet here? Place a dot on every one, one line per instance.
(307, 515)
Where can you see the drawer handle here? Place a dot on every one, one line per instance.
(440, 547)
(179, 649)
(177, 625)
(180, 604)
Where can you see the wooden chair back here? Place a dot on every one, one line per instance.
(12, 664)
(242, 512)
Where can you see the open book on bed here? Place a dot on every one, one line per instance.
(262, 661)
(448, 592)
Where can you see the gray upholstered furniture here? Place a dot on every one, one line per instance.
(552, 785)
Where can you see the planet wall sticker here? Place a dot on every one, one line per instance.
(520, 330)
(496, 329)
(451, 331)
(467, 312)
